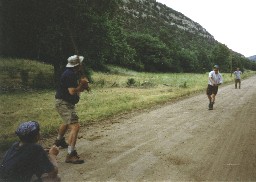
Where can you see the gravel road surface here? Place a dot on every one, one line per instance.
(179, 141)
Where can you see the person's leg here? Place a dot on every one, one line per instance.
(213, 98)
(209, 91)
(74, 129)
(62, 109)
(236, 84)
(239, 84)
(72, 156)
(62, 130)
(210, 98)
(74, 126)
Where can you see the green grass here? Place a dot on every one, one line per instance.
(111, 95)
(13, 69)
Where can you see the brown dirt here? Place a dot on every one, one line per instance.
(181, 141)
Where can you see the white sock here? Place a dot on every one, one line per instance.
(59, 137)
(70, 149)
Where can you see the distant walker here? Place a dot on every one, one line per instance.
(237, 74)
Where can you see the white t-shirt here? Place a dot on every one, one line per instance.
(217, 78)
(238, 74)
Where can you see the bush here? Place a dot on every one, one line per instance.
(131, 82)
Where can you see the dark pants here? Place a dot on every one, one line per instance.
(239, 83)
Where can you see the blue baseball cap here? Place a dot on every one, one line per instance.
(27, 128)
(216, 66)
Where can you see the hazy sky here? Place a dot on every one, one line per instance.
(231, 22)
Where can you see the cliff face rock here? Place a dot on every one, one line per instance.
(155, 13)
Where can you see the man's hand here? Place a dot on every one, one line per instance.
(84, 82)
(54, 150)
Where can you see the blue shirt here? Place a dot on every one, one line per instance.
(20, 163)
(68, 80)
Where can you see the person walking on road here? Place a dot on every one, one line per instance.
(67, 96)
(215, 79)
(237, 74)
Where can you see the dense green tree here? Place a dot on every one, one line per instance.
(204, 62)
(221, 56)
(150, 52)
(51, 31)
(189, 61)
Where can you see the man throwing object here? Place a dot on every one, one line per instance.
(67, 95)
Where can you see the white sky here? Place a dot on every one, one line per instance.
(231, 22)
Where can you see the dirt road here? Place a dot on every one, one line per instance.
(176, 142)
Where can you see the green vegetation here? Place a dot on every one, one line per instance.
(139, 35)
(25, 74)
(118, 91)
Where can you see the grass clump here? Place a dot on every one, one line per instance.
(130, 82)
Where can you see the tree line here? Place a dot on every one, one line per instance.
(51, 31)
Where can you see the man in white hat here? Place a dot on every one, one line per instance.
(67, 95)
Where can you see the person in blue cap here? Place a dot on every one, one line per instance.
(26, 160)
(215, 79)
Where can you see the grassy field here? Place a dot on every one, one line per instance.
(116, 92)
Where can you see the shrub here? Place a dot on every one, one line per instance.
(131, 82)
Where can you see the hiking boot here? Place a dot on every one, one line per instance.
(74, 158)
(211, 106)
(61, 143)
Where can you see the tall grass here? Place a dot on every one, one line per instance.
(21, 73)
(110, 95)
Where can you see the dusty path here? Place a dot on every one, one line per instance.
(177, 142)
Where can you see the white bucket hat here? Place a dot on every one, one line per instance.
(74, 61)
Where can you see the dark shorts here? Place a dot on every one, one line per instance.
(212, 90)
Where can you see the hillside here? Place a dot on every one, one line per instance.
(172, 27)
(157, 13)
(141, 35)
(252, 58)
